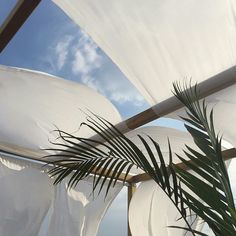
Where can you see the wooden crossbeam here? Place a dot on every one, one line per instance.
(227, 155)
(208, 87)
(33, 155)
(15, 20)
(130, 192)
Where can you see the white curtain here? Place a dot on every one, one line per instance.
(32, 105)
(151, 212)
(26, 195)
(161, 135)
(42, 103)
(156, 42)
(32, 206)
(77, 211)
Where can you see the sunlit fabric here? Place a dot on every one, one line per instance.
(42, 103)
(33, 104)
(26, 196)
(32, 206)
(78, 211)
(155, 211)
(156, 42)
(161, 135)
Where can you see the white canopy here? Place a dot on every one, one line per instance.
(156, 42)
(42, 103)
(150, 210)
(32, 105)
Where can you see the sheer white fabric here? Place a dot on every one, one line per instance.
(161, 135)
(42, 103)
(26, 195)
(77, 211)
(150, 210)
(155, 212)
(156, 42)
(32, 206)
(32, 105)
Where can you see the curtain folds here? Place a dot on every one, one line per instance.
(32, 206)
(156, 42)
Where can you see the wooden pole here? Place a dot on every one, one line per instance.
(227, 155)
(131, 190)
(210, 86)
(33, 155)
(15, 20)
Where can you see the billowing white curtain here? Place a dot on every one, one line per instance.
(150, 211)
(156, 42)
(32, 105)
(77, 211)
(161, 135)
(32, 206)
(43, 103)
(26, 195)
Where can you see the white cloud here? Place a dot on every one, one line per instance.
(79, 65)
(78, 53)
(109, 81)
(119, 90)
(62, 50)
(86, 57)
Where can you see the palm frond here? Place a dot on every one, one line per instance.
(110, 158)
(205, 192)
(212, 197)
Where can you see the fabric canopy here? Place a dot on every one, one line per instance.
(32, 206)
(42, 103)
(156, 42)
(155, 211)
(32, 105)
(161, 135)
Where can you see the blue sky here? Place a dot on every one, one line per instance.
(50, 42)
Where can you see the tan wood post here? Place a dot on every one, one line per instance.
(131, 189)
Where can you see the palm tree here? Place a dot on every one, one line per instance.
(211, 196)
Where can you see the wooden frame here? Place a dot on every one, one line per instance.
(15, 20)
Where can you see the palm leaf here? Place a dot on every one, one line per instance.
(211, 196)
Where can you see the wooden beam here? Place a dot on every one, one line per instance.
(33, 155)
(130, 192)
(208, 87)
(15, 20)
(227, 155)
